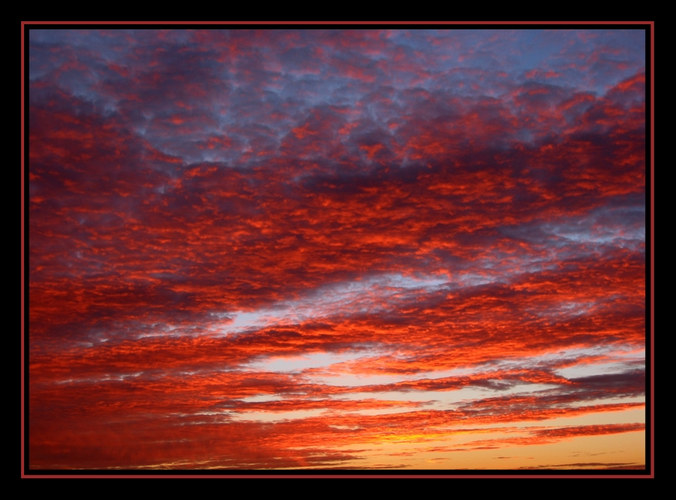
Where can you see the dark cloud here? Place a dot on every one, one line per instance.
(627, 383)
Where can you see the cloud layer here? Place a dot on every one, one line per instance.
(258, 249)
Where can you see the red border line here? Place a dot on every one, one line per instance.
(652, 248)
(650, 472)
(338, 476)
(23, 444)
(344, 22)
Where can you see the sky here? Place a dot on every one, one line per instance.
(336, 249)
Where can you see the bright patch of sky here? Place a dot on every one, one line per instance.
(544, 361)
(444, 400)
(120, 377)
(291, 364)
(622, 227)
(261, 398)
(564, 309)
(371, 294)
(591, 369)
(266, 416)
(357, 380)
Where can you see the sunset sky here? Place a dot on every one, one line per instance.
(336, 248)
